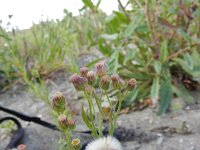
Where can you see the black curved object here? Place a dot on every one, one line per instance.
(29, 118)
(18, 135)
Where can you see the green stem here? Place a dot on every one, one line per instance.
(108, 99)
(94, 131)
(110, 115)
(100, 118)
(68, 139)
(98, 102)
(117, 113)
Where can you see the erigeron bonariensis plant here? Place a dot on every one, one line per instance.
(65, 120)
(88, 82)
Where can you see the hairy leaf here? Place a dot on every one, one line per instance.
(164, 51)
(155, 90)
(130, 98)
(165, 95)
(182, 92)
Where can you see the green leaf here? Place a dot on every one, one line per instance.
(129, 56)
(157, 66)
(130, 98)
(182, 92)
(110, 36)
(113, 62)
(85, 118)
(132, 26)
(185, 35)
(155, 89)
(104, 49)
(88, 3)
(164, 51)
(188, 59)
(121, 17)
(165, 95)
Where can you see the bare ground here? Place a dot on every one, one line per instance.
(138, 130)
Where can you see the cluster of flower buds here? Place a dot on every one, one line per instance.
(87, 77)
(65, 123)
(58, 105)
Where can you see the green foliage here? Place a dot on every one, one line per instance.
(144, 39)
(32, 56)
(153, 42)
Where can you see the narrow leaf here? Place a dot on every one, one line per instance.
(130, 98)
(88, 3)
(155, 90)
(182, 92)
(164, 51)
(85, 118)
(185, 35)
(165, 95)
(157, 66)
(113, 62)
(132, 26)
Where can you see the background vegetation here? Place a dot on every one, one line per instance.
(156, 42)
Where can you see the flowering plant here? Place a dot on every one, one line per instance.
(89, 82)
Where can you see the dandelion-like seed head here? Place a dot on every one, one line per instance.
(78, 82)
(84, 71)
(131, 84)
(105, 143)
(101, 69)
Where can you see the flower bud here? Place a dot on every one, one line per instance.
(62, 121)
(58, 102)
(117, 82)
(21, 147)
(84, 71)
(101, 69)
(91, 78)
(78, 82)
(131, 84)
(76, 144)
(66, 123)
(70, 124)
(104, 82)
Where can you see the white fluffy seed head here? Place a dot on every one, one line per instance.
(105, 143)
